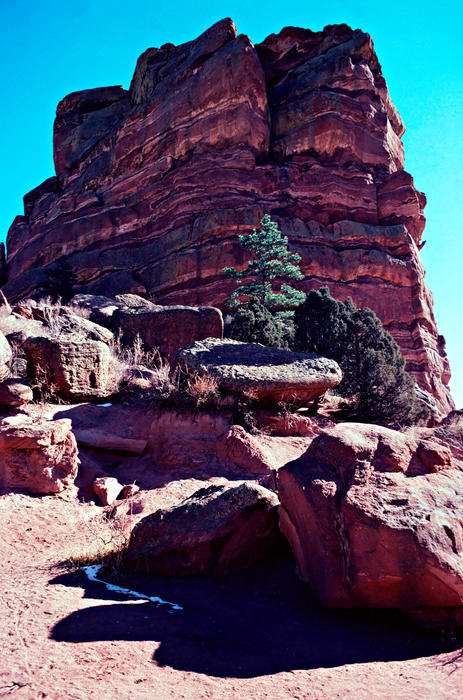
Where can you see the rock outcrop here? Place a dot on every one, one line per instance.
(265, 375)
(154, 183)
(374, 518)
(39, 456)
(218, 530)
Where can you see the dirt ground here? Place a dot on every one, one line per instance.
(258, 634)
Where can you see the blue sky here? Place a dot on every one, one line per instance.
(52, 48)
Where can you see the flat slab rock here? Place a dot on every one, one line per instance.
(261, 373)
(217, 530)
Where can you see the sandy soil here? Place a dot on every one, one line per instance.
(257, 635)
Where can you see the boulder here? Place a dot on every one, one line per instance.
(5, 357)
(167, 328)
(72, 366)
(102, 439)
(216, 531)
(374, 518)
(107, 488)
(15, 392)
(39, 456)
(96, 308)
(265, 375)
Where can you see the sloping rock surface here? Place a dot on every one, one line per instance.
(216, 531)
(266, 375)
(154, 183)
(374, 518)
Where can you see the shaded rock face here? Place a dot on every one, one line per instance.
(153, 184)
(266, 375)
(39, 456)
(218, 530)
(374, 518)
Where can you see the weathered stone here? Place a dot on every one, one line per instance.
(168, 328)
(15, 392)
(216, 531)
(155, 184)
(374, 518)
(267, 375)
(72, 366)
(39, 456)
(107, 488)
(103, 440)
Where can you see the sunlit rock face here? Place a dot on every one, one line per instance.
(154, 183)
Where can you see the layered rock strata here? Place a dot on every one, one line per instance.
(154, 183)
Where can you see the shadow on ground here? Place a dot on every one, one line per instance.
(258, 622)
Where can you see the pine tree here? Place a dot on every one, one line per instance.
(374, 377)
(271, 264)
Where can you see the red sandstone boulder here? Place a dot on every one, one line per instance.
(374, 518)
(15, 392)
(214, 532)
(266, 375)
(107, 488)
(72, 366)
(39, 456)
(168, 328)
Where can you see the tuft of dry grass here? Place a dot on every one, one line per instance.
(202, 389)
(107, 540)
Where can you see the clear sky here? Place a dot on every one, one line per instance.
(53, 47)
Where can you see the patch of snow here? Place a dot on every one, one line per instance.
(92, 575)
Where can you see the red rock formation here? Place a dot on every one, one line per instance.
(154, 183)
(374, 517)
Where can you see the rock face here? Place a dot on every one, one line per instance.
(153, 184)
(39, 456)
(266, 375)
(216, 531)
(72, 366)
(374, 518)
(168, 328)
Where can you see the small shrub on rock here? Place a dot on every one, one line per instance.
(254, 323)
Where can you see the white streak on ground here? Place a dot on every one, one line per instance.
(104, 405)
(92, 575)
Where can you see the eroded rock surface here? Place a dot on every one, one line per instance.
(217, 530)
(374, 518)
(39, 456)
(153, 184)
(266, 375)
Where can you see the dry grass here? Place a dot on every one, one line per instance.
(106, 543)
(202, 389)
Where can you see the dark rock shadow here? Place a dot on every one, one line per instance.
(261, 621)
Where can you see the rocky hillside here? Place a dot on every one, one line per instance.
(154, 183)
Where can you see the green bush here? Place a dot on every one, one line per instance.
(375, 382)
(253, 323)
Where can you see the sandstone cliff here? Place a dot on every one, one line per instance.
(153, 183)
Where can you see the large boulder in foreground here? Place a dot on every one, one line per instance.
(167, 328)
(266, 375)
(39, 456)
(375, 518)
(214, 532)
(72, 366)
